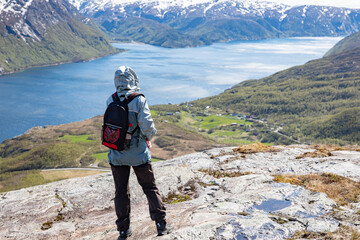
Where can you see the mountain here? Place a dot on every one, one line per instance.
(175, 23)
(318, 101)
(42, 32)
(348, 43)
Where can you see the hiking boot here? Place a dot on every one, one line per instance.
(162, 228)
(124, 234)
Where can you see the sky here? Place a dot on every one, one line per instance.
(335, 3)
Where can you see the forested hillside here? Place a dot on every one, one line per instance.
(348, 43)
(317, 102)
(35, 33)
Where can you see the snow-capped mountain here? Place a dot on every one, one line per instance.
(187, 8)
(41, 32)
(29, 19)
(196, 22)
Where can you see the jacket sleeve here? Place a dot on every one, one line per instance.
(145, 121)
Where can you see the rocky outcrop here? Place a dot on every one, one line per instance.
(242, 203)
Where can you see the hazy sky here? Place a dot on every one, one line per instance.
(336, 3)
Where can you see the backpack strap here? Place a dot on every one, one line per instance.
(115, 97)
(128, 100)
(132, 97)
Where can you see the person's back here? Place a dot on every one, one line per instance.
(138, 156)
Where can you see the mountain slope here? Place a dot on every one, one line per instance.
(204, 22)
(318, 101)
(348, 43)
(41, 32)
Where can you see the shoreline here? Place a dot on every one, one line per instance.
(118, 50)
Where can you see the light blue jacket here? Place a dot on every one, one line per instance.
(126, 83)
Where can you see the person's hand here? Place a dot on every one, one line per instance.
(148, 143)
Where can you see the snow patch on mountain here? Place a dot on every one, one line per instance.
(163, 6)
(15, 7)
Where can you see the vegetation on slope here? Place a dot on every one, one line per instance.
(47, 32)
(148, 31)
(346, 44)
(64, 42)
(78, 145)
(318, 101)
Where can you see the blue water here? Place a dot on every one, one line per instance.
(272, 205)
(77, 91)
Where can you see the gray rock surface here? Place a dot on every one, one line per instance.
(252, 206)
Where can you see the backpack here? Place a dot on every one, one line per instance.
(115, 133)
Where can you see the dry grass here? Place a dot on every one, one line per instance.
(343, 233)
(341, 189)
(176, 198)
(323, 150)
(184, 193)
(255, 148)
(57, 175)
(316, 154)
(335, 147)
(222, 174)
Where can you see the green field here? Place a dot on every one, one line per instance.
(101, 156)
(210, 122)
(223, 129)
(77, 138)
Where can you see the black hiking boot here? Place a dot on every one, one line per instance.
(124, 234)
(162, 228)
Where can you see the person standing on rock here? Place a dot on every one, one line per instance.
(137, 156)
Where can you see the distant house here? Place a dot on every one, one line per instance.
(207, 107)
(234, 124)
(177, 113)
(169, 113)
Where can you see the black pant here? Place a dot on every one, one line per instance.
(145, 177)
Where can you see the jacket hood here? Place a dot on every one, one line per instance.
(126, 80)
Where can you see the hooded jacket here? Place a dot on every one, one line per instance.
(126, 83)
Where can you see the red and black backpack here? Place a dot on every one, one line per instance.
(115, 133)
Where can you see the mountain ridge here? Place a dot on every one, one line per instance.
(209, 21)
(38, 33)
(346, 44)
